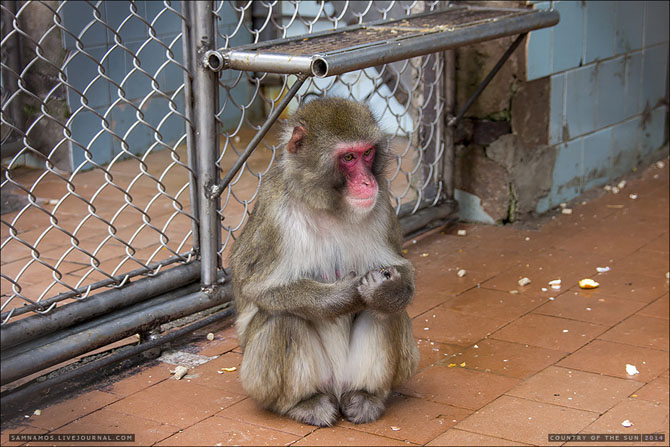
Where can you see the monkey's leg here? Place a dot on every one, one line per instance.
(382, 355)
(284, 369)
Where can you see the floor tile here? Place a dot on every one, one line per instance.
(249, 411)
(526, 421)
(431, 293)
(493, 304)
(646, 261)
(211, 374)
(145, 378)
(146, 431)
(335, 436)
(549, 332)
(505, 358)
(601, 310)
(181, 403)
(223, 431)
(646, 417)
(640, 331)
(446, 326)
(575, 389)
(604, 357)
(224, 341)
(658, 309)
(414, 420)
(655, 391)
(21, 430)
(431, 352)
(456, 437)
(62, 413)
(457, 386)
(630, 286)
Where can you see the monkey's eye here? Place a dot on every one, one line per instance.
(368, 152)
(348, 157)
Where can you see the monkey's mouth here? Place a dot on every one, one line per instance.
(363, 203)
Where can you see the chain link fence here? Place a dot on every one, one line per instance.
(97, 181)
(101, 209)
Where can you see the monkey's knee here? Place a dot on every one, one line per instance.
(408, 353)
(280, 365)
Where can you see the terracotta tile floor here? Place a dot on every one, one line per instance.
(502, 364)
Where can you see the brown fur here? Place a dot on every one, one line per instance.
(295, 326)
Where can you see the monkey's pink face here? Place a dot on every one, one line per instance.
(355, 162)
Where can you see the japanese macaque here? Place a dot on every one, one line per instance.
(320, 285)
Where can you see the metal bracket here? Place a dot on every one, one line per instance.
(455, 120)
(215, 191)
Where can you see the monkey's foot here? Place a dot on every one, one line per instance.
(320, 410)
(360, 407)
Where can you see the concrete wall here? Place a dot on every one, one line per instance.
(583, 104)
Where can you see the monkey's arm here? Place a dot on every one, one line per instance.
(306, 298)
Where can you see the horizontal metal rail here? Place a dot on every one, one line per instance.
(309, 56)
(19, 362)
(22, 393)
(108, 301)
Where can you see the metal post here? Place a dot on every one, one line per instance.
(450, 101)
(189, 63)
(10, 80)
(204, 103)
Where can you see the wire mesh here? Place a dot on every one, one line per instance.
(97, 189)
(406, 96)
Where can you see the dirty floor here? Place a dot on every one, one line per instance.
(502, 363)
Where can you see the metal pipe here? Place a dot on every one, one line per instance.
(86, 325)
(22, 393)
(448, 159)
(338, 62)
(186, 44)
(271, 63)
(216, 190)
(454, 121)
(76, 312)
(10, 79)
(204, 96)
(421, 221)
(27, 362)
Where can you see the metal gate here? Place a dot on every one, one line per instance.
(128, 161)
(108, 124)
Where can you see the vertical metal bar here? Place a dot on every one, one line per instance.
(10, 75)
(428, 120)
(449, 106)
(204, 103)
(187, 43)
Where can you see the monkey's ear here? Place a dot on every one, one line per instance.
(296, 141)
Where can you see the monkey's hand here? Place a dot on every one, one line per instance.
(386, 289)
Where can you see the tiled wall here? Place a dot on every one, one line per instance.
(608, 67)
